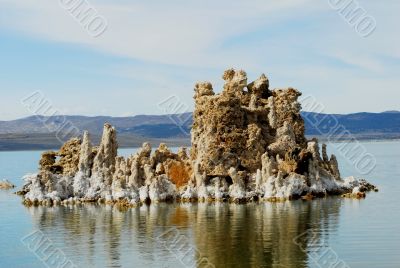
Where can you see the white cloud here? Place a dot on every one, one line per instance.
(299, 43)
(173, 33)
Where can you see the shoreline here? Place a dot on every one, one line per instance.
(183, 144)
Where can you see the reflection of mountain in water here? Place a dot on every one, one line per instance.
(228, 235)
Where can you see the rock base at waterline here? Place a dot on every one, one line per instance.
(6, 185)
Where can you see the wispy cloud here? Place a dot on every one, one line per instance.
(181, 32)
(170, 45)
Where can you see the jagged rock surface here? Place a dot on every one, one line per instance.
(248, 143)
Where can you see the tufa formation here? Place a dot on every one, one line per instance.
(248, 144)
(6, 185)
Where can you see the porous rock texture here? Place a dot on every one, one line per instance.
(248, 144)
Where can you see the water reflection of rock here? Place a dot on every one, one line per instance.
(228, 235)
(260, 235)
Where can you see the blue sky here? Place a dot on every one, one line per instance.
(152, 50)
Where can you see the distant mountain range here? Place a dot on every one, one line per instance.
(39, 132)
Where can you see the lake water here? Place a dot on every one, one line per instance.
(319, 233)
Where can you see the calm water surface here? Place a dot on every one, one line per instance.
(358, 233)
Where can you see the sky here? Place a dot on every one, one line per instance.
(153, 51)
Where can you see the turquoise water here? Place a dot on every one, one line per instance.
(320, 233)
